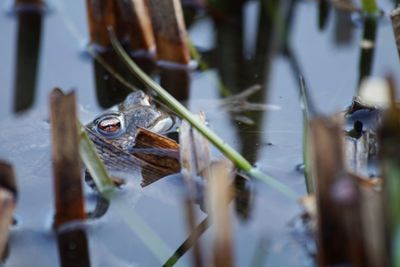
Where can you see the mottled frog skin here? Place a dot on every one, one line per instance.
(114, 133)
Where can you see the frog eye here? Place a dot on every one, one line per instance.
(109, 125)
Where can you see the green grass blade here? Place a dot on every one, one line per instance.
(307, 111)
(93, 163)
(370, 7)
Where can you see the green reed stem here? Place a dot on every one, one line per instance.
(369, 6)
(93, 163)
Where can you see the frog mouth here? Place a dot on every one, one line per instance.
(162, 124)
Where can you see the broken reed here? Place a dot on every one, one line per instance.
(390, 158)
(157, 149)
(170, 31)
(30, 17)
(100, 15)
(219, 192)
(353, 211)
(140, 27)
(68, 192)
(131, 19)
(340, 233)
(66, 165)
(195, 157)
(155, 25)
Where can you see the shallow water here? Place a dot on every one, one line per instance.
(328, 59)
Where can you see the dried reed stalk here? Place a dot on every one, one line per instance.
(219, 194)
(340, 234)
(101, 15)
(170, 31)
(69, 204)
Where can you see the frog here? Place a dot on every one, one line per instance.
(114, 132)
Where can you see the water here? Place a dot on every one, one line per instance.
(242, 50)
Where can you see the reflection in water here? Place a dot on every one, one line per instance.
(261, 254)
(239, 71)
(244, 197)
(28, 40)
(286, 49)
(324, 11)
(367, 47)
(189, 242)
(101, 204)
(176, 80)
(5, 254)
(344, 27)
(73, 248)
(229, 59)
(109, 90)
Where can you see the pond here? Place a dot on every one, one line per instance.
(243, 46)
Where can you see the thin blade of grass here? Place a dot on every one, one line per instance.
(308, 111)
(238, 160)
(94, 164)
